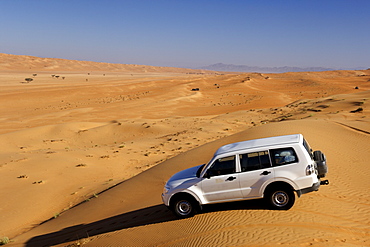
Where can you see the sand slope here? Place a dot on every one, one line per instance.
(332, 216)
(66, 141)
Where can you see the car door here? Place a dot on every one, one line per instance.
(256, 169)
(222, 181)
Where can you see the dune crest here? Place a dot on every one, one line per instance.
(31, 63)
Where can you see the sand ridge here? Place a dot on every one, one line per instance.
(31, 63)
(329, 217)
(65, 141)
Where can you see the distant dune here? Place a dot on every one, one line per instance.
(246, 68)
(86, 149)
(30, 63)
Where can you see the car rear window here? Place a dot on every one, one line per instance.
(283, 156)
(307, 147)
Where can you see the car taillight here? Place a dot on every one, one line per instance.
(310, 169)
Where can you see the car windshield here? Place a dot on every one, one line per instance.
(200, 169)
(203, 168)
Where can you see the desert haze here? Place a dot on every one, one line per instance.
(87, 147)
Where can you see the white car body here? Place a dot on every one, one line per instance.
(258, 164)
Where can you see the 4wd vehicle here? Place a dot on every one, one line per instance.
(272, 168)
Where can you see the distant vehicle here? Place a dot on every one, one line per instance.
(271, 168)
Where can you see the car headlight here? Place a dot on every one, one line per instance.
(166, 189)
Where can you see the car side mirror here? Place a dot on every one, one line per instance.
(207, 175)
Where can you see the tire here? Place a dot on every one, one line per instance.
(320, 161)
(318, 156)
(184, 207)
(281, 198)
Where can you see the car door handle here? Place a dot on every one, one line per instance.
(265, 173)
(230, 178)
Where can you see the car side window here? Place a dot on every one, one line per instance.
(254, 161)
(222, 166)
(283, 156)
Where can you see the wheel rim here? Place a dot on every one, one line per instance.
(280, 198)
(184, 207)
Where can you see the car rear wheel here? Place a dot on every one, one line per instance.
(280, 199)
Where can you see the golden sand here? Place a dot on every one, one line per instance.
(87, 147)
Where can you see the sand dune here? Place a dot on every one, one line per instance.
(84, 158)
(29, 63)
(332, 216)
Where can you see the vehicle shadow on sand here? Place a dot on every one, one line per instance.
(146, 216)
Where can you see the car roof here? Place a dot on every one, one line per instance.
(264, 142)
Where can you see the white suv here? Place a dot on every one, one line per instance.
(271, 168)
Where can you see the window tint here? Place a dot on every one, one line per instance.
(283, 156)
(222, 166)
(254, 161)
(307, 147)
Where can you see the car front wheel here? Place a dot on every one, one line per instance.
(184, 207)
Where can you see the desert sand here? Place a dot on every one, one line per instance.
(87, 147)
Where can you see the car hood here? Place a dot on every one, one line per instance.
(184, 176)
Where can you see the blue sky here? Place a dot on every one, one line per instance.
(189, 33)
